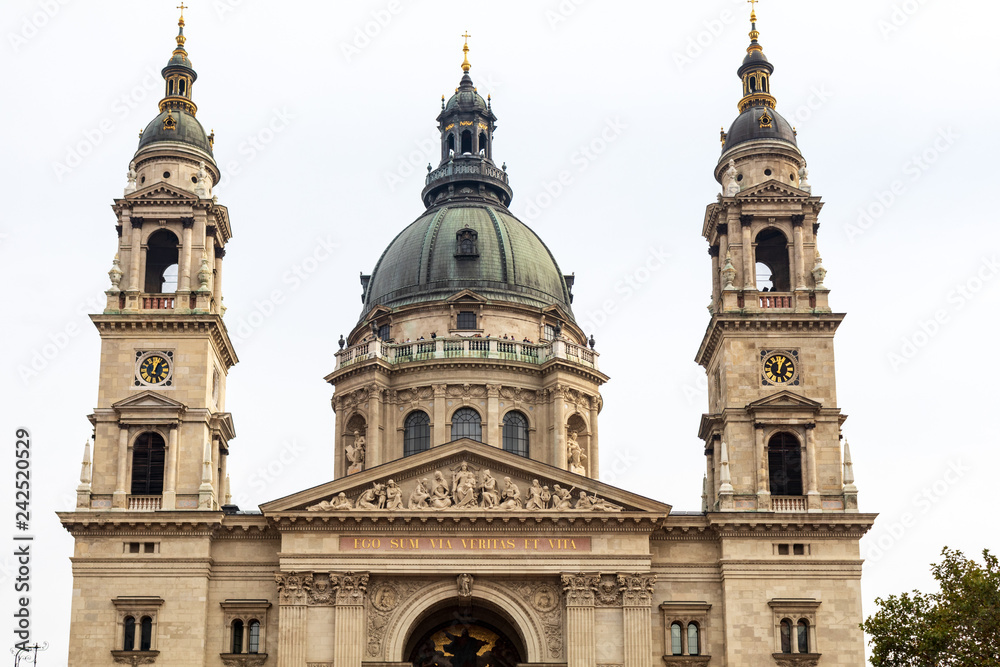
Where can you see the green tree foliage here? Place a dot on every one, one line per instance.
(959, 626)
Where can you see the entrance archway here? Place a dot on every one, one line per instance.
(464, 637)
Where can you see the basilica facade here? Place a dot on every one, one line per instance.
(465, 524)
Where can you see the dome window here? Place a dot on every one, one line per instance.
(466, 320)
(766, 120)
(466, 244)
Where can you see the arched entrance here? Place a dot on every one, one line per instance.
(472, 636)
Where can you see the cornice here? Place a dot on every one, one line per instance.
(459, 363)
(175, 325)
(471, 522)
(755, 324)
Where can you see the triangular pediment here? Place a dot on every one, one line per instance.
(784, 400)
(365, 491)
(148, 400)
(466, 295)
(773, 188)
(161, 192)
(558, 312)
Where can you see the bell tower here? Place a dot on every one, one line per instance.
(772, 434)
(161, 432)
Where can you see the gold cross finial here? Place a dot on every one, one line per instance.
(753, 9)
(465, 49)
(182, 7)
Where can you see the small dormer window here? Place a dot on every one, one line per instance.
(466, 244)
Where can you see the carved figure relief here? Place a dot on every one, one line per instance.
(322, 591)
(575, 455)
(356, 453)
(464, 585)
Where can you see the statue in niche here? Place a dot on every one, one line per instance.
(393, 496)
(491, 497)
(511, 495)
(440, 496)
(535, 501)
(562, 499)
(356, 454)
(419, 496)
(373, 498)
(464, 585)
(577, 458)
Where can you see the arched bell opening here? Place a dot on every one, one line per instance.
(457, 636)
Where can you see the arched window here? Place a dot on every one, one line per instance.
(145, 633)
(803, 633)
(675, 639)
(515, 434)
(484, 143)
(466, 142)
(128, 626)
(466, 423)
(752, 83)
(161, 254)
(148, 455)
(693, 644)
(416, 433)
(786, 636)
(170, 87)
(183, 86)
(237, 636)
(784, 463)
(771, 248)
(451, 142)
(253, 639)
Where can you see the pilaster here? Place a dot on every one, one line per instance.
(349, 633)
(637, 600)
(581, 643)
(292, 611)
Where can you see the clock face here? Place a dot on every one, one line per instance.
(154, 369)
(779, 368)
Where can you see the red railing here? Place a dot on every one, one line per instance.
(158, 303)
(775, 301)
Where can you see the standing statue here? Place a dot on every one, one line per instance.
(577, 458)
(356, 454)
(464, 585)
(491, 498)
(731, 185)
(804, 178)
(199, 187)
(132, 175)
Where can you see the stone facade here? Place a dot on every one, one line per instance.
(498, 539)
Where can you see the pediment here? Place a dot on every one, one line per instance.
(557, 312)
(149, 400)
(784, 400)
(773, 188)
(161, 193)
(466, 295)
(365, 491)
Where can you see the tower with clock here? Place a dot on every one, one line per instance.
(161, 431)
(772, 432)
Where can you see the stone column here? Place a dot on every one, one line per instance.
(812, 491)
(559, 427)
(120, 497)
(749, 271)
(763, 481)
(493, 434)
(349, 632)
(581, 643)
(440, 435)
(798, 265)
(637, 600)
(292, 621)
(170, 479)
(184, 277)
(717, 286)
(219, 254)
(374, 455)
(133, 278)
(595, 459)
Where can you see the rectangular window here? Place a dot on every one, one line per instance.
(467, 320)
(550, 332)
(799, 549)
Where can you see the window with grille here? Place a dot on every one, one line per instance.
(148, 455)
(466, 423)
(784, 461)
(467, 320)
(515, 434)
(416, 433)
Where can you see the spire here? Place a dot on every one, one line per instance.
(755, 71)
(465, 50)
(179, 74)
(86, 474)
(206, 492)
(725, 477)
(849, 486)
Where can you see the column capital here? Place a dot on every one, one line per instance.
(722, 228)
(350, 587)
(293, 587)
(580, 588)
(188, 223)
(713, 251)
(797, 220)
(137, 222)
(636, 588)
(746, 220)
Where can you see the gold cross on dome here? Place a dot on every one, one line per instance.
(467, 35)
(753, 4)
(182, 7)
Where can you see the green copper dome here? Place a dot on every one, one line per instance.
(187, 130)
(501, 260)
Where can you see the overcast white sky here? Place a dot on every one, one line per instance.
(886, 94)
